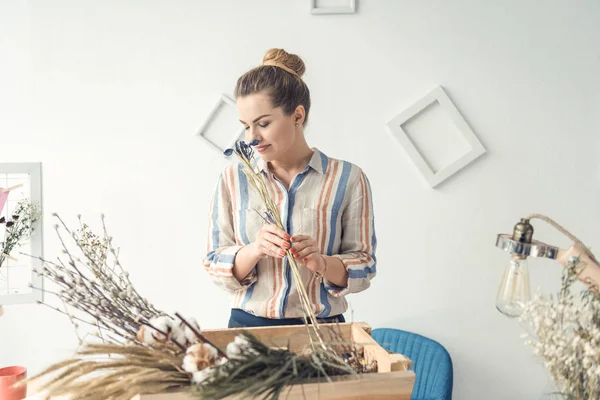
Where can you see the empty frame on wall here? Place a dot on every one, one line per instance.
(17, 274)
(332, 6)
(222, 127)
(436, 137)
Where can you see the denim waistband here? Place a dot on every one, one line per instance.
(242, 319)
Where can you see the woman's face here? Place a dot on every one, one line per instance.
(276, 132)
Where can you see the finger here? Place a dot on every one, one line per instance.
(273, 250)
(274, 229)
(276, 240)
(304, 244)
(306, 252)
(300, 238)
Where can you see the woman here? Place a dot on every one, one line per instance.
(325, 205)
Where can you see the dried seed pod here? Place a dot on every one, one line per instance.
(199, 357)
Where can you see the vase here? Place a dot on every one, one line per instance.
(8, 377)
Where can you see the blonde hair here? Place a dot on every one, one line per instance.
(280, 76)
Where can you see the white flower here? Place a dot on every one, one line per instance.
(189, 363)
(188, 333)
(199, 377)
(204, 348)
(240, 344)
(233, 350)
(162, 323)
(199, 356)
(178, 335)
(145, 335)
(241, 341)
(184, 335)
(150, 335)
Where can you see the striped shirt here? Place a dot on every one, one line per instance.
(330, 200)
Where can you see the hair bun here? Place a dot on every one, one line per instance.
(291, 61)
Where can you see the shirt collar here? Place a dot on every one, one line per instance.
(318, 162)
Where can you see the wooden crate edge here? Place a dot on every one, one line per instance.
(388, 385)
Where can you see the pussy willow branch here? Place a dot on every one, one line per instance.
(105, 295)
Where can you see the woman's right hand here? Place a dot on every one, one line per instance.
(271, 241)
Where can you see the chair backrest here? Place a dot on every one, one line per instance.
(431, 362)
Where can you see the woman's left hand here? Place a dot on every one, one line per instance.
(305, 249)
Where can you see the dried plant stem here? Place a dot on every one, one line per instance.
(122, 372)
(262, 372)
(257, 182)
(25, 217)
(105, 294)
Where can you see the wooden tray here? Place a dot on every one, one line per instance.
(392, 380)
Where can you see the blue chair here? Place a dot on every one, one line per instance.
(431, 362)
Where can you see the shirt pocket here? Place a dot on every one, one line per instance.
(318, 224)
(249, 224)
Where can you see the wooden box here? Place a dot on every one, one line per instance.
(392, 380)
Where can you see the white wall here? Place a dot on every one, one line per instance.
(108, 96)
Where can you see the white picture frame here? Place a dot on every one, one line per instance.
(34, 172)
(349, 8)
(434, 178)
(224, 101)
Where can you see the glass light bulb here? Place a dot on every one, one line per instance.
(514, 293)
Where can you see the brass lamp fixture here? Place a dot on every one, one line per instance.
(514, 291)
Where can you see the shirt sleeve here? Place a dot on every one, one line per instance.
(357, 251)
(222, 247)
